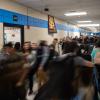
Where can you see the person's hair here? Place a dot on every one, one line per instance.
(42, 43)
(70, 46)
(27, 42)
(97, 43)
(52, 46)
(17, 46)
(10, 45)
(55, 39)
(34, 43)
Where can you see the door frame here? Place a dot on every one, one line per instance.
(15, 25)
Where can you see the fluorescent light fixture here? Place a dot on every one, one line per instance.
(75, 14)
(84, 21)
(88, 25)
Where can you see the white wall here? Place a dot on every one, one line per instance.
(1, 35)
(35, 34)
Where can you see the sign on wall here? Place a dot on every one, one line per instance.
(15, 18)
(12, 34)
(51, 25)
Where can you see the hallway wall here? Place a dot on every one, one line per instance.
(38, 22)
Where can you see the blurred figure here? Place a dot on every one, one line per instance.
(53, 53)
(42, 61)
(86, 40)
(85, 52)
(56, 45)
(70, 47)
(12, 75)
(96, 53)
(96, 50)
(26, 48)
(8, 48)
(32, 61)
(17, 47)
(68, 76)
(96, 60)
(65, 41)
(34, 46)
(30, 53)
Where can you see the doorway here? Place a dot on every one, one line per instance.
(13, 33)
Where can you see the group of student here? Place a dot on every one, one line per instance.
(20, 63)
(64, 70)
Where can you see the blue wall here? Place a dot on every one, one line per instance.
(7, 17)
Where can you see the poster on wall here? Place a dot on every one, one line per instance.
(15, 18)
(12, 34)
(51, 25)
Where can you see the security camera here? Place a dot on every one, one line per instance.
(46, 9)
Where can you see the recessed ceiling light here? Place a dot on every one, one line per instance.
(88, 25)
(75, 13)
(84, 21)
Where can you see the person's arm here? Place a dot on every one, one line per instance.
(24, 72)
(82, 62)
(23, 77)
(88, 64)
(45, 57)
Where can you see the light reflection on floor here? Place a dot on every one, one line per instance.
(35, 88)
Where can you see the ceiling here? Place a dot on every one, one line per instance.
(59, 7)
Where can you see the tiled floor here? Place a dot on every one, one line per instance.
(31, 97)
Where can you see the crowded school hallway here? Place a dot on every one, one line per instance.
(49, 50)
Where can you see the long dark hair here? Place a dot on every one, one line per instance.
(42, 43)
(70, 46)
(17, 46)
(60, 81)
